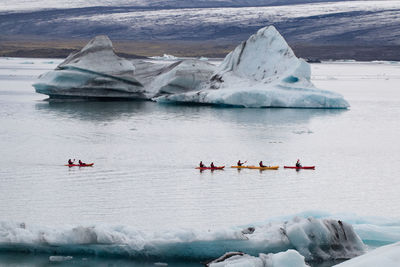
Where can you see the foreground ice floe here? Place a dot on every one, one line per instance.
(261, 72)
(95, 71)
(314, 239)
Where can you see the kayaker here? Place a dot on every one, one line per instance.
(261, 164)
(70, 162)
(240, 163)
(298, 165)
(212, 165)
(81, 163)
(201, 164)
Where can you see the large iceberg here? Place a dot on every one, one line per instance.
(262, 72)
(95, 71)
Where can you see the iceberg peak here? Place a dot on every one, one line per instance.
(99, 56)
(265, 56)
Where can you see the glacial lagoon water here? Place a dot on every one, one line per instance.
(145, 154)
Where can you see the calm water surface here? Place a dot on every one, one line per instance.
(145, 154)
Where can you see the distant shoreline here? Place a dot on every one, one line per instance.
(215, 49)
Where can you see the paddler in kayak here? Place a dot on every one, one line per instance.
(81, 163)
(240, 163)
(212, 165)
(70, 162)
(201, 164)
(298, 165)
(261, 164)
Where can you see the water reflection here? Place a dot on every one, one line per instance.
(116, 110)
(94, 110)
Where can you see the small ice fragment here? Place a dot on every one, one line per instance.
(60, 258)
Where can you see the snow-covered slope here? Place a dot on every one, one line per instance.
(95, 71)
(262, 72)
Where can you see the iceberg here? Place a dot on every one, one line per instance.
(314, 239)
(261, 72)
(95, 71)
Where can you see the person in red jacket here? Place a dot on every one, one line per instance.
(240, 163)
(201, 164)
(212, 165)
(261, 164)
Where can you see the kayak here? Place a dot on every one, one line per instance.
(209, 168)
(78, 165)
(263, 168)
(240, 167)
(299, 168)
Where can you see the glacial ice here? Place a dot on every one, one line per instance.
(314, 239)
(386, 256)
(95, 71)
(262, 72)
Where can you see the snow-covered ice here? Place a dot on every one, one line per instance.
(262, 72)
(386, 256)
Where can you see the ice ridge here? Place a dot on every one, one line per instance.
(314, 239)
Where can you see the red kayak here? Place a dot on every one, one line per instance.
(209, 168)
(299, 168)
(80, 165)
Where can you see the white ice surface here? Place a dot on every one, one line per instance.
(289, 258)
(386, 256)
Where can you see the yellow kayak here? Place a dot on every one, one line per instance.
(239, 167)
(263, 168)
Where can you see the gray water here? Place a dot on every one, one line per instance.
(145, 155)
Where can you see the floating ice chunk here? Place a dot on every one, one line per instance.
(165, 57)
(387, 256)
(95, 71)
(60, 258)
(262, 72)
(289, 258)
